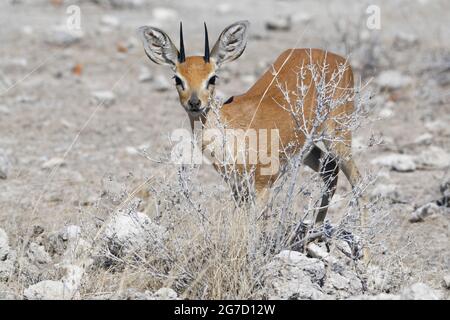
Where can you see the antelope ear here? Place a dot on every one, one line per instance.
(158, 46)
(231, 43)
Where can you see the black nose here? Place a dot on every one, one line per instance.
(194, 103)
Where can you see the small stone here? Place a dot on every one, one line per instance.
(53, 162)
(161, 84)
(106, 98)
(397, 162)
(425, 138)
(424, 211)
(164, 14)
(446, 281)
(433, 157)
(4, 109)
(420, 291)
(385, 191)
(37, 254)
(404, 40)
(5, 164)
(279, 23)
(48, 290)
(109, 20)
(145, 75)
(165, 294)
(392, 79)
(63, 36)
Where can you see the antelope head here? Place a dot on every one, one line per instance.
(195, 76)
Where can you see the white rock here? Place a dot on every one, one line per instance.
(424, 211)
(4, 109)
(403, 40)
(420, 291)
(165, 294)
(7, 257)
(72, 277)
(446, 281)
(53, 162)
(385, 191)
(37, 254)
(425, 138)
(4, 244)
(109, 20)
(392, 79)
(433, 157)
(398, 162)
(161, 83)
(386, 113)
(5, 164)
(133, 232)
(63, 36)
(106, 98)
(145, 75)
(279, 23)
(292, 275)
(164, 14)
(48, 290)
(301, 17)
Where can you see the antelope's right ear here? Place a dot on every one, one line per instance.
(158, 46)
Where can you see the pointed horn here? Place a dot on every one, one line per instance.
(181, 55)
(206, 56)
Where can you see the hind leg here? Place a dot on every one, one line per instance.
(328, 170)
(349, 168)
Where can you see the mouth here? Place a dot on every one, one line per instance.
(196, 112)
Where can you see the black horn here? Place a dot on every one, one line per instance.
(181, 55)
(206, 56)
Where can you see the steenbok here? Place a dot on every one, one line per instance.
(288, 98)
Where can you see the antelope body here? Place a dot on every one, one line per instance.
(264, 105)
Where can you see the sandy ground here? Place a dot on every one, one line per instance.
(49, 111)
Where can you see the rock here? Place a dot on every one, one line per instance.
(63, 36)
(424, 211)
(37, 254)
(388, 191)
(446, 281)
(438, 127)
(131, 233)
(386, 113)
(5, 164)
(48, 290)
(165, 294)
(398, 162)
(161, 84)
(404, 40)
(53, 162)
(4, 109)
(4, 244)
(6, 293)
(145, 75)
(392, 80)
(301, 17)
(279, 23)
(72, 277)
(106, 98)
(7, 257)
(433, 157)
(420, 291)
(164, 14)
(380, 296)
(291, 275)
(111, 21)
(68, 244)
(425, 138)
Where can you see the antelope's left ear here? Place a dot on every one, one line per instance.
(158, 46)
(231, 43)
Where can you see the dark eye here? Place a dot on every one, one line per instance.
(212, 81)
(178, 82)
